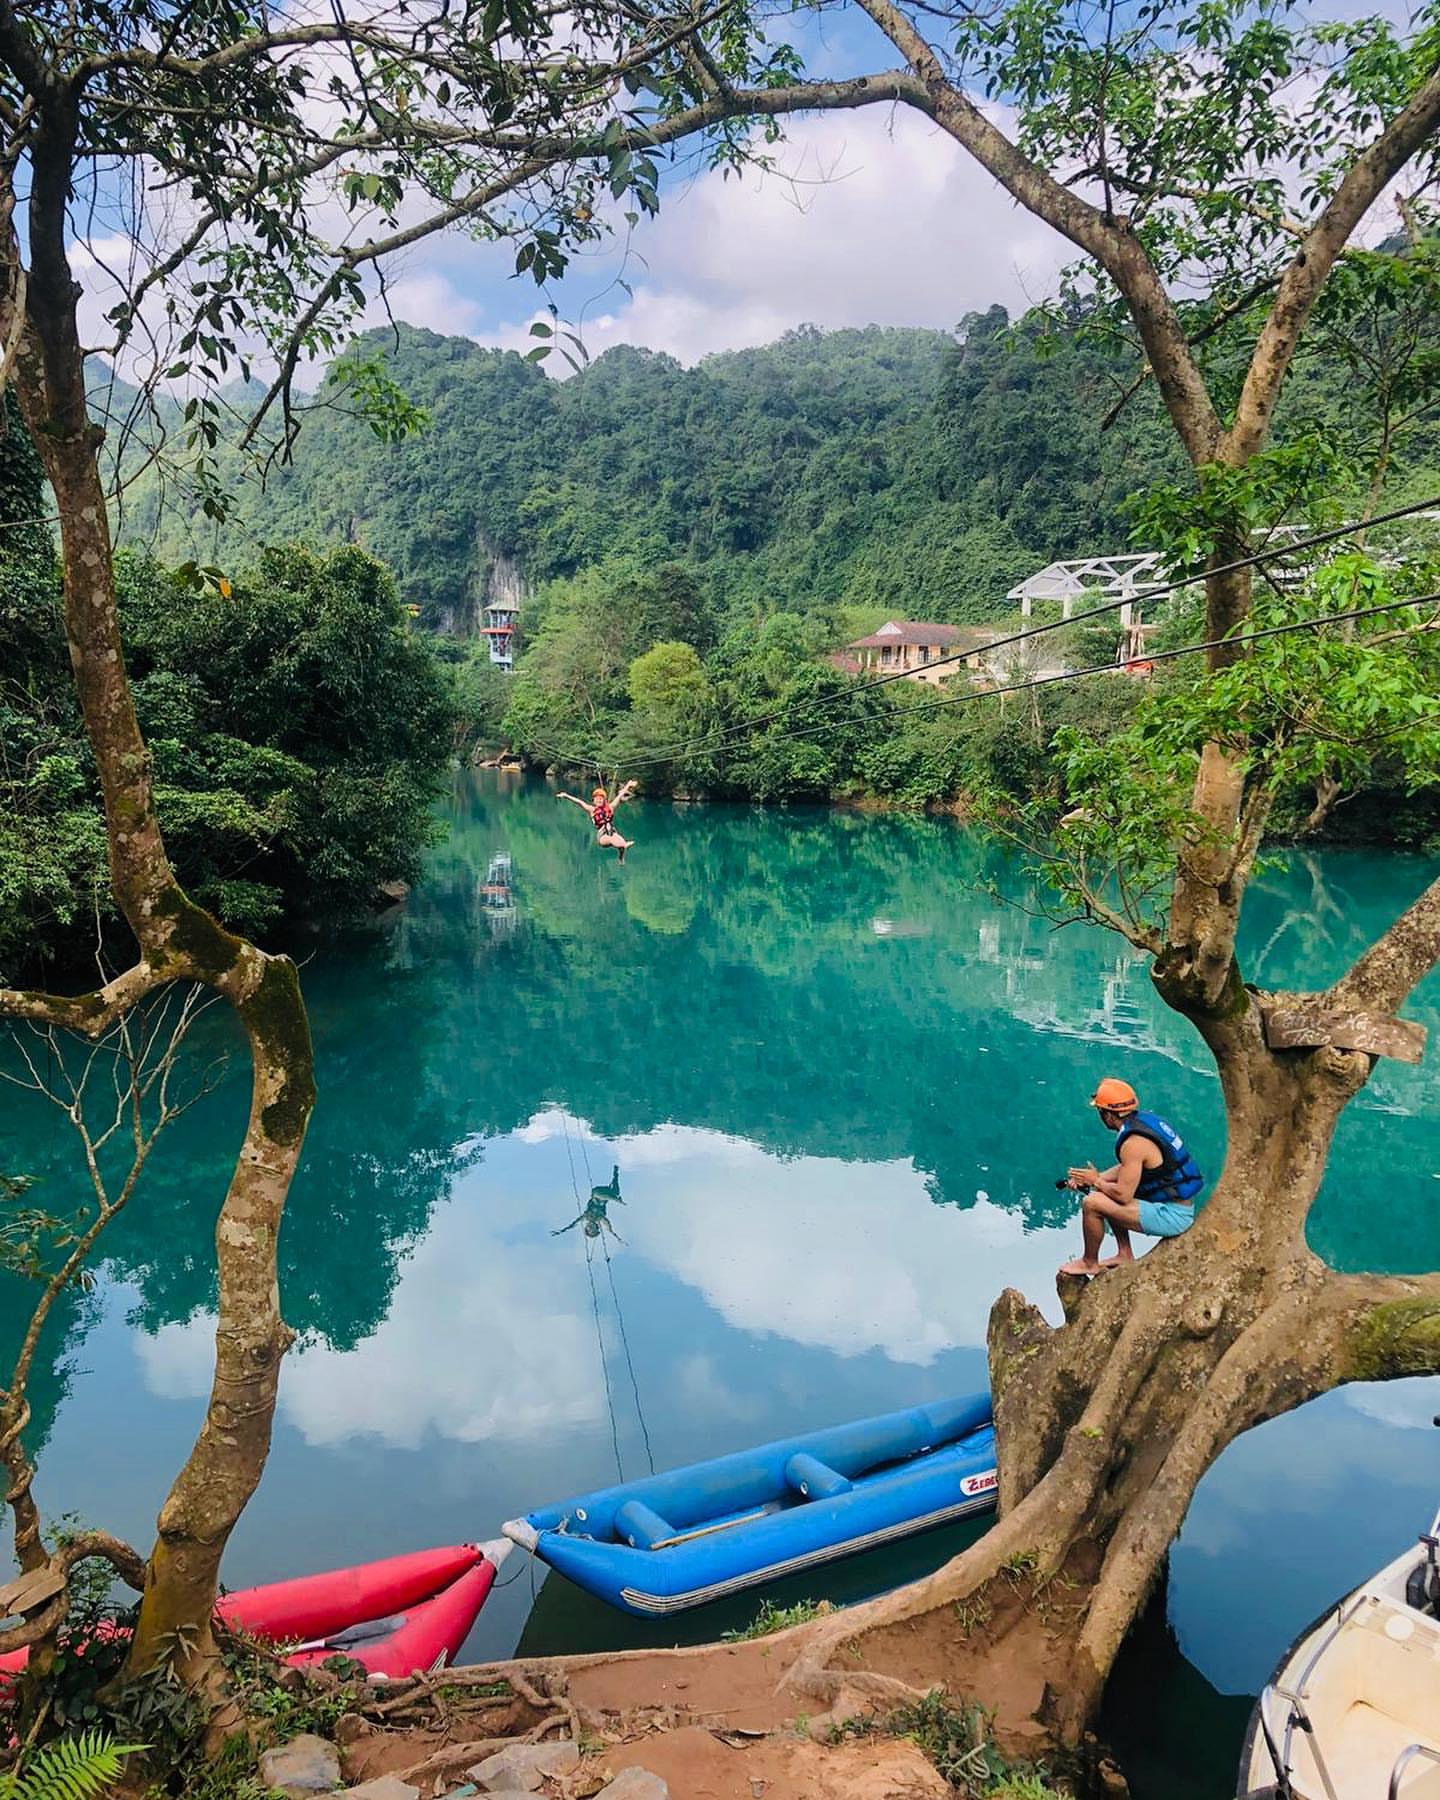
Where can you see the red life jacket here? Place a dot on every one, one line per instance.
(602, 816)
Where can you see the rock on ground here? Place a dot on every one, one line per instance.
(635, 1784)
(306, 1765)
(384, 1787)
(523, 1766)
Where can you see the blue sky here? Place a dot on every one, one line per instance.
(872, 217)
(869, 217)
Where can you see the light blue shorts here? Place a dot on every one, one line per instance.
(1165, 1218)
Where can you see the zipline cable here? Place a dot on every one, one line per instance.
(1108, 668)
(604, 1360)
(720, 738)
(629, 1363)
(1033, 631)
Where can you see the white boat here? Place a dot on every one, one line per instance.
(1352, 1712)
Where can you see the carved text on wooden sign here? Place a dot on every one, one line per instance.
(1307, 1024)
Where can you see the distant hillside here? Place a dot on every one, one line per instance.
(903, 470)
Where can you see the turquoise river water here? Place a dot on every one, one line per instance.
(837, 1078)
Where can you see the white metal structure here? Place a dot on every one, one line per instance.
(1289, 570)
(1093, 580)
(1353, 1711)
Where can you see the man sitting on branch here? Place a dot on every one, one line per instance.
(1151, 1187)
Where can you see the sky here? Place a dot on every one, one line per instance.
(874, 217)
(869, 217)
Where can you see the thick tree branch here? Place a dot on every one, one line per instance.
(127, 1563)
(138, 60)
(1381, 979)
(19, 54)
(1391, 1326)
(88, 1014)
(1300, 286)
(1109, 240)
(1215, 323)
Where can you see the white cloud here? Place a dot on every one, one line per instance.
(1412, 1403)
(518, 1356)
(845, 1257)
(873, 217)
(427, 298)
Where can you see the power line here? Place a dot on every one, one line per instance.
(1108, 668)
(720, 739)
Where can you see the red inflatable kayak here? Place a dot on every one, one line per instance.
(395, 1616)
(315, 1606)
(421, 1637)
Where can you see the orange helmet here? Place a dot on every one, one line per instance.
(1115, 1096)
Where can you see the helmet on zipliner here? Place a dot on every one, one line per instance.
(1115, 1096)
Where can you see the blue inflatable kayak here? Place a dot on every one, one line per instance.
(675, 1540)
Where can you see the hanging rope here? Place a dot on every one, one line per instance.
(595, 1306)
(574, 1184)
(585, 1158)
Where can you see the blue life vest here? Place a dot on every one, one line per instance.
(1178, 1177)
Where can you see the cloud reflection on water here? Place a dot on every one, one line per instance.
(490, 1333)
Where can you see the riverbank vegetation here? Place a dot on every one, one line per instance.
(1167, 158)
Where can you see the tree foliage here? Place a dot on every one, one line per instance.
(297, 727)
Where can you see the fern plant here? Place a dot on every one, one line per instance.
(73, 1768)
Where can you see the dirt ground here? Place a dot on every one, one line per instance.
(698, 1764)
(717, 1722)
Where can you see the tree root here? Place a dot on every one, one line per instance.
(399, 1703)
(477, 1749)
(440, 1760)
(813, 1680)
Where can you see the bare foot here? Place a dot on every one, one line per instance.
(1079, 1267)
(1120, 1256)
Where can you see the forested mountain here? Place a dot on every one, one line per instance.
(692, 541)
(904, 470)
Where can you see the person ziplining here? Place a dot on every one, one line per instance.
(1151, 1186)
(601, 808)
(595, 1214)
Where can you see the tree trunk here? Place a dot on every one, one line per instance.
(1106, 1424)
(177, 941)
(251, 1338)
